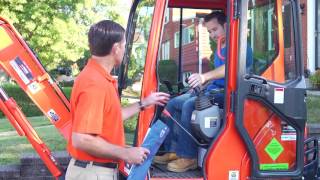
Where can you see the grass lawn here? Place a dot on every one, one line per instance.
(12, 146)
(35, 122)
(313, 109)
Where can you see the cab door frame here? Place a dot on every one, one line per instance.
(262, 90)
(150, 82)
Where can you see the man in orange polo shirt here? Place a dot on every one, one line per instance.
(97, 143)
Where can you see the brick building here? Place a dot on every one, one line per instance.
(310, 17)
(195, 49)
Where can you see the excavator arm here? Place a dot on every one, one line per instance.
(19, 62)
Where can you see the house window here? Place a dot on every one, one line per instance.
(176, 39)
(167, 16)
(262, 36)
(187, 36)
(165, 49)
(270, 15)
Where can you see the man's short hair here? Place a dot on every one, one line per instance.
(220, 16)
(103, 35)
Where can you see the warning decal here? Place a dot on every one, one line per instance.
(274, 149)
(210, 122)
(53, 115)
(34, 87)
(5, 39)
(22, 70)
(233, 175)
(288, 133)
(277, 166)
(278, 95)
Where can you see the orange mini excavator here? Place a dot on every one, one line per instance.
(259, 133)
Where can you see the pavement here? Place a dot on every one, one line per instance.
(313, 92)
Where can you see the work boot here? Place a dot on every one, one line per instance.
(182, 165)
(165, 159)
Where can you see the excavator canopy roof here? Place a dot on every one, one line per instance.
(212, 4)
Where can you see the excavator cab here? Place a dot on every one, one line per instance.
(261, 134)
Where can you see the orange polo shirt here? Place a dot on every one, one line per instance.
(96, 109)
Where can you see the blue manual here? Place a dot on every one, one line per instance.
(154, 138)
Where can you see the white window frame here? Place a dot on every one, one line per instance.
(176, 39)
(167, 16)
(270, 30)
(165, 50)
(186, 38)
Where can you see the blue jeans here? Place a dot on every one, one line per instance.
(181, 108)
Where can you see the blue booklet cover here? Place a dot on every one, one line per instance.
(154, 138)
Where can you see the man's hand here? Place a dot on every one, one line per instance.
(158, 98)
(195, 80)
(136, 155)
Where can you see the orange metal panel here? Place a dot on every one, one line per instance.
(150, 82)
(228, 149)
(262, 126)
(19, 62)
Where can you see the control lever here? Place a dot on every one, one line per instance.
(258, 85)
(167, 114)
(197, 90)
(169, 86)
(256, 79)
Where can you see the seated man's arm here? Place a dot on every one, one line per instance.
(199, 79)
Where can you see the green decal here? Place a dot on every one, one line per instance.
(274, 149)
(278, 166)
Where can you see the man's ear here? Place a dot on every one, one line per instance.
(115, 48)
(225, 26)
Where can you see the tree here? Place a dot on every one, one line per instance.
(140, 36)
(57, 30)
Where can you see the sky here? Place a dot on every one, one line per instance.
(125, 5)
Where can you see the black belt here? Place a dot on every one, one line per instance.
(84, 164)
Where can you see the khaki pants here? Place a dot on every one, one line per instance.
(90, 172)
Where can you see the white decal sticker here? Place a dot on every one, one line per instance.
(210, 122)
(193, 116)
(127, 168)
(22, 70)
(53, 115)
(233, 175)
(288, 137)
(278, 95)
(34, 87)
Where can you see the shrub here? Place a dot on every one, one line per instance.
(23, 100)
(130, 124)
(315, 79)
(67, 91)
(66, 83)
(168, 70)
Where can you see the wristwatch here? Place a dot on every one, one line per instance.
(141, 106)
